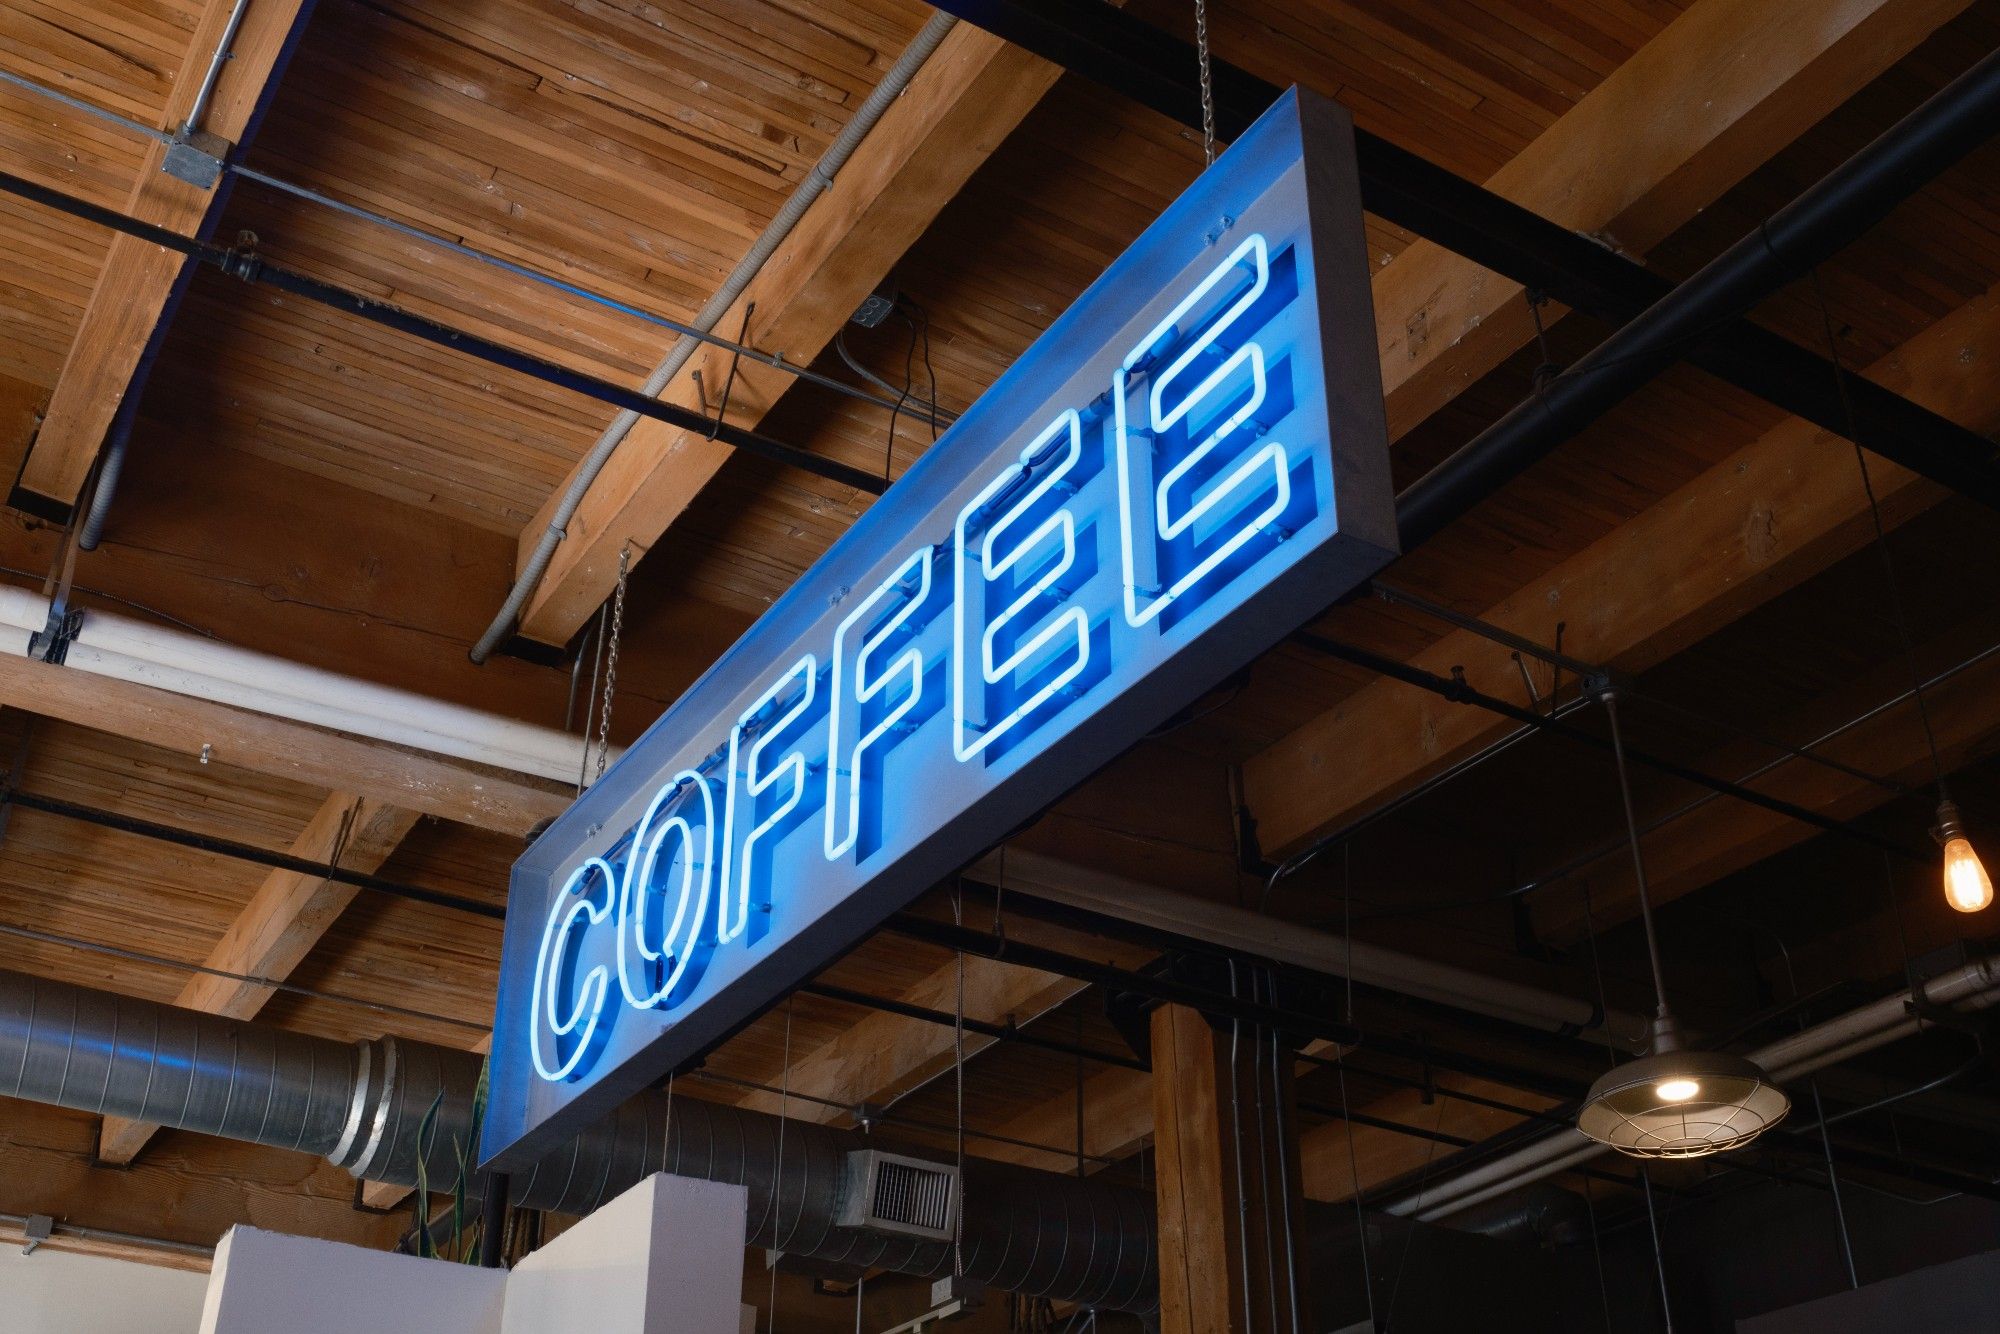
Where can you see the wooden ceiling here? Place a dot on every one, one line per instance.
(305, 484)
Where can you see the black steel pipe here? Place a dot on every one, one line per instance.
(1007, 1032)
(1125, 53)
(225, 847)
(251, 269)
(1818, 224)
(1216, 1004)
(1461, 692)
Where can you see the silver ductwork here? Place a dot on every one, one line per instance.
(362, 1106)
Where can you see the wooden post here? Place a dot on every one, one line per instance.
(1225, 1136)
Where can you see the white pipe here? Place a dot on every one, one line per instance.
(858, 126)
(1321, 951)
(169, 659)
(1975, 986)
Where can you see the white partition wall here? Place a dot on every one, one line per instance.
(266, 1281)
(666, 1257)
(59, 1292)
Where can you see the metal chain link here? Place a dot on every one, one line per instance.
(611, 659)
(1207, 84)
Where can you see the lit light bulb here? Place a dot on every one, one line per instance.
(1676, 1090)
(1967, 887)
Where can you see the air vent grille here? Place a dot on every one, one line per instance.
(891, 1193)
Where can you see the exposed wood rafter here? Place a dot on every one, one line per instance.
(1759, 522)
(138, 280)
(278, 927)
(971, 93)
(263, 744)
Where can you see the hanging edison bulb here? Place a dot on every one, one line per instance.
(1967, 887)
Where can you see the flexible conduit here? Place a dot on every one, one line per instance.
(817, 180)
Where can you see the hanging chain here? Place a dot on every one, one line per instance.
(1207, 83)
(611, 658)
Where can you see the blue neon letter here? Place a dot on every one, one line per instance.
(556, 961)
(750, 779)
(1150, 512)
(976, 668)
(845, 760)
(681, 943)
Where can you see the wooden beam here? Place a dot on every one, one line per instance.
(1726, 836)
(1117, 1120)
(191, 1188)
(885, 1054)
(138, 279)
(1754, 525)
(278, 927)
(389, 774)
(1217, 1160)
(1339, 1159)
(971, 93)
(1714, 95)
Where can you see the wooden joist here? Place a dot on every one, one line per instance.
(189, 1190)
(965, 100)
(278, 927)
(138, 279)
(1725, 836)
(885, 1054)
(1339, 1159)
(1752, 526)
(333, 761)
(1721, 89)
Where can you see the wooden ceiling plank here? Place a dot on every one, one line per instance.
(887, 1054)
(137, 280)
(1340, 1159)
(1726, 836)
(1683, 120)
(962, 104)
(264, 744)
(278, 927)
(1750, 527)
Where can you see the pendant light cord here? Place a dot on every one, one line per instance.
(1609, 698)
(1896, 608)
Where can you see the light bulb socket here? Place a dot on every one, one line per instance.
(1949, 823)
(1666, 1034)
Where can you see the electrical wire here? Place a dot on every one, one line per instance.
(775, 360)
(1894, 585)
(168, 617)
(252, 979)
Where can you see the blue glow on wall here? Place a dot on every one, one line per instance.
(1190, 463)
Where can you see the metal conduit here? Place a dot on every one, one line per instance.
(1818, 224)
(817, 180)
(1973, 986)
(363, 1105)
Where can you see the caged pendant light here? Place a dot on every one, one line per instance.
(1673, 1102)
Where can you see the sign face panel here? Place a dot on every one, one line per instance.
(1189, 464)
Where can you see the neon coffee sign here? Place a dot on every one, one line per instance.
(1188, 463)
